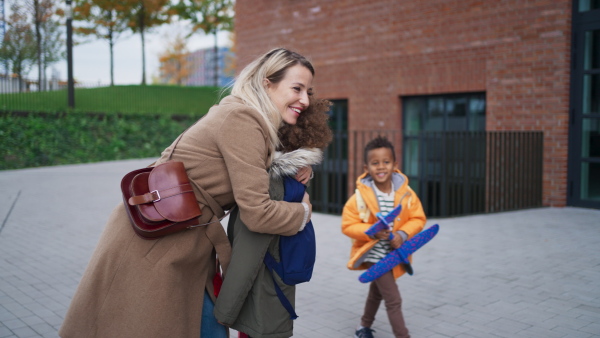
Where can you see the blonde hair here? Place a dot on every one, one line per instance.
(249, 85)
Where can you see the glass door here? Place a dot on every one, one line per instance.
(584, 134)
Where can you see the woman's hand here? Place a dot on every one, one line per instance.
(304, 174)
(306, 199)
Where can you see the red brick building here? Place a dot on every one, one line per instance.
(382, 58)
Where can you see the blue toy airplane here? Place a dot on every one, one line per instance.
(399, 256)
(384, 222)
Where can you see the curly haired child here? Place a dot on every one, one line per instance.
(248, 301)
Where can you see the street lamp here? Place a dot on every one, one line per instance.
(70, 85)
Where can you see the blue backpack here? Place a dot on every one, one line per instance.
(297, 253)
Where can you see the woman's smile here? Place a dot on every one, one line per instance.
(290, 95)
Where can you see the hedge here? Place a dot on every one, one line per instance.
(46, 139)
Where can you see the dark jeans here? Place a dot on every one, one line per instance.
(385, 288)
(210, 327)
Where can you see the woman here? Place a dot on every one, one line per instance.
(248, 301)
(135, 287)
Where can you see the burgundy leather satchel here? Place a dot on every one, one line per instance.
(160, 200)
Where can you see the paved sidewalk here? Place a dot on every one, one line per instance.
(531, 273)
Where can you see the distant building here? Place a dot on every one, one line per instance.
(202, 69)
(12, 84)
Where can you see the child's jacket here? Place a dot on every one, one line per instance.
(355, 222)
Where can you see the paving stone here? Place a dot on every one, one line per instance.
(528, 273)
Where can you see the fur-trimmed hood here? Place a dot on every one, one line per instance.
(287, 164)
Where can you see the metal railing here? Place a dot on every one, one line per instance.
(451, 179)
(514, 170)
(328, 189)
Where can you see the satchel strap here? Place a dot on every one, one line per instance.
(179, 138)
(216, 234)
(157, 195)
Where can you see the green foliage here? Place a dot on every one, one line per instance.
(110, 123)
(164, 100)
(52, 139)
(209, 16)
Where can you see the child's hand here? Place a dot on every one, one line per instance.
(304, 174)
(382, 234)
(396, 242)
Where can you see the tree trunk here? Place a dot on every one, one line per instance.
(142, 26)
(143, 58)
(38, 37)
(216, 56)
(111, 44)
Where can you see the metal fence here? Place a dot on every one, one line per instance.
(451, 179)
(459, 173)
(514, 170)
(328, 189)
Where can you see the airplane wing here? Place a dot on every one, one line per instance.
(399, 256)
(384, 222)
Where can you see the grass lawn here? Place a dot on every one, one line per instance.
(136, 99)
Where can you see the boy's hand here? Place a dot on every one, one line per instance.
(382, 234)
(396, 242)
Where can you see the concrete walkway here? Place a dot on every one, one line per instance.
(530, 273)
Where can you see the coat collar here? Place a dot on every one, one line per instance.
(287, 164)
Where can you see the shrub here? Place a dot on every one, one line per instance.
(33, 140)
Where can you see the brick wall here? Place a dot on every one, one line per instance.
(373, 52)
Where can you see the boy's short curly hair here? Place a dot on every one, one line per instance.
(310, 131)
(379, 142)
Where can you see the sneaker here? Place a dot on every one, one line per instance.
(365, 332)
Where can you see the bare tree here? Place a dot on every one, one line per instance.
(53, 44)
(42, 14)
(19, 45)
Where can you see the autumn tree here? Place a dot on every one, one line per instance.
(174, 62)
(144, 15)
(18, 46)
(104, 19)
(210, 17)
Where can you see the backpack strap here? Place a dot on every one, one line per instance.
(273, 267)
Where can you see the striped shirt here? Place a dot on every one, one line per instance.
(386, 204)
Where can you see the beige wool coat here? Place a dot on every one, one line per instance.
(135, 287)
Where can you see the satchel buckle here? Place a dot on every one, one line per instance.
(157, 194)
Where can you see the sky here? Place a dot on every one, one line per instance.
(91, 61)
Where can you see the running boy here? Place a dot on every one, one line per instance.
(381, 188)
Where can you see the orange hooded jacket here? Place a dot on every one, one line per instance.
(358, 217)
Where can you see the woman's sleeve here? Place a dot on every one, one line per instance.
(243, 142)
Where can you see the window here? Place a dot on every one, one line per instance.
(443, 155)
(453, 112)
(587, 5)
